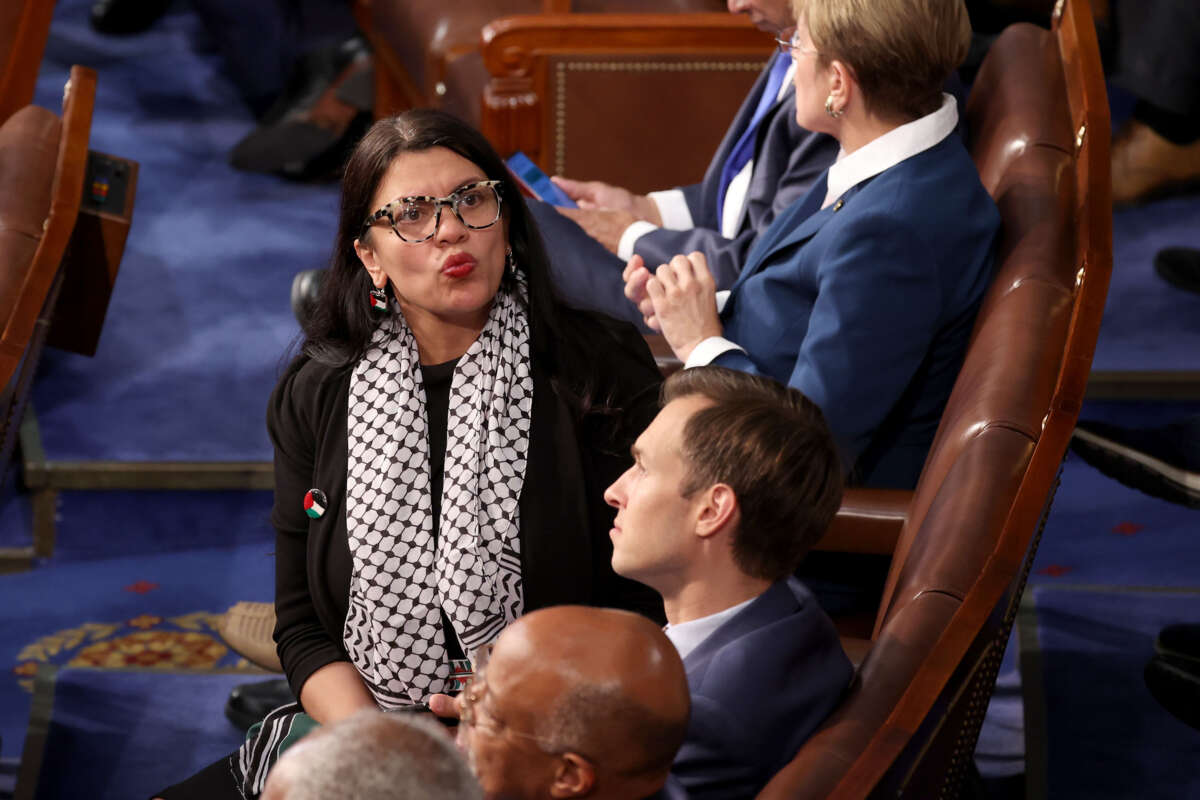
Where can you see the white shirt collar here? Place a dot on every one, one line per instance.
(890, 149)
(687, 636)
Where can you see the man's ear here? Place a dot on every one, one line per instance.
(367, 256)
(718, 509)
(573, 777)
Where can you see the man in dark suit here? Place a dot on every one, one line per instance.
(733, 482)
(764, 162)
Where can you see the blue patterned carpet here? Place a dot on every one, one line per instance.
(196, 333)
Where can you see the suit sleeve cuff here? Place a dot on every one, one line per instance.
(705, 352)
(629, 239)
(673, 208)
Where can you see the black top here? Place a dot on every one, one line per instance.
(573, 456)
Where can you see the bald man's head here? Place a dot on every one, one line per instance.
(576, 700)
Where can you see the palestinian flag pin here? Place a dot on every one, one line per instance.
(315, 503)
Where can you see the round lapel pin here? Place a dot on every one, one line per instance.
(315, 503)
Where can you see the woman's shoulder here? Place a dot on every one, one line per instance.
(306, 382)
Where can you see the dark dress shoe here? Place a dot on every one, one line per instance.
(1180, 643)
(319, 119)
(1176, 687)
(249, 702)
(1162, 462)
(126, 16)
(1180, 267)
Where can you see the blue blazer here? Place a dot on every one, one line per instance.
(787, 160)
(760, 685)
(867, 306)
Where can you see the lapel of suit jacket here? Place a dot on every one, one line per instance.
(801, 220)
(774, 604)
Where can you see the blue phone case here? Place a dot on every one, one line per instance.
(538, 182)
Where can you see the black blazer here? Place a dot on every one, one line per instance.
(574, 454)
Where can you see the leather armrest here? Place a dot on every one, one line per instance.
(869, 521)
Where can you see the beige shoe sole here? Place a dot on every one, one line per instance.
(247, 627)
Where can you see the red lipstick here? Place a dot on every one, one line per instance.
(459, 265)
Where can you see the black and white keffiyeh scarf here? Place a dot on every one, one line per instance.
(403, 576)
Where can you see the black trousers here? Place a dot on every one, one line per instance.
(1156, 56)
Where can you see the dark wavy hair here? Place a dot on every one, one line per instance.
(340, 326)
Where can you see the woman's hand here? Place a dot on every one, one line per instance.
(444, 706)
(635, 276)
(683, 296)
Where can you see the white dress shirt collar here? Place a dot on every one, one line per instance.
(687, 636)
(890, 149)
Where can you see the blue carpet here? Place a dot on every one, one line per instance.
(1107, 737)
(150, 611)
(109, 524)
(1149, 324)
(123, 734)
(16, 515)
(199, 319)
(1101, 532)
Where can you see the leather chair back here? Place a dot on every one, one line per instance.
(1038, 118)
(42, 164)
(24, 27)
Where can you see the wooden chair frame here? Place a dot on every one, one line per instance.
(18, 74)
(25, 331)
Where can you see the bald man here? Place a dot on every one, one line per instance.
(576, 702)
(373, 756)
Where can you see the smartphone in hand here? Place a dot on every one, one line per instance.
(536, 182)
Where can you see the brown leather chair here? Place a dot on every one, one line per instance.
(965, 538)
(24, 27)
(637, 99)
(42, 164)
(416, 40)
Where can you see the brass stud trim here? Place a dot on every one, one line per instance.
(560, 87)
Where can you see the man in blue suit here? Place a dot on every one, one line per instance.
(733, 482)
(765, 161)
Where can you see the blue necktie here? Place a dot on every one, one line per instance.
(743, 150)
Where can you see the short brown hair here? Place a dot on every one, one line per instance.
(771, 445)
(900, 51)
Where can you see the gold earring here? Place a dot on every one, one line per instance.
(829, 108)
